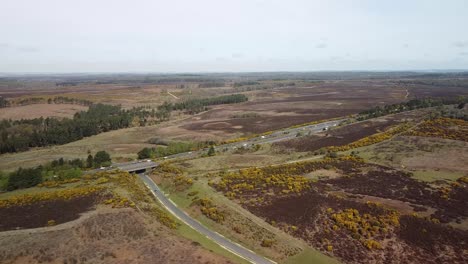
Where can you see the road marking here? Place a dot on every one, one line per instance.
(173, 95)
(209, 230)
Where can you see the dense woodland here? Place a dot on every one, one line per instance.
(20, 135)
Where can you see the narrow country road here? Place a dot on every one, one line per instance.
(217, 238)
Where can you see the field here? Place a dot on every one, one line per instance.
(40, 110)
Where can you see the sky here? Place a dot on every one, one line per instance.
(62, 36)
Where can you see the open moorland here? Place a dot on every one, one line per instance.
(40, 110)
(246, 156)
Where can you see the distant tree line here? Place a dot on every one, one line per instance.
(211, 84)
(253, 85)
(244, 83)
(198, 105)
(40, 100)
(410, 105)
(443, 82)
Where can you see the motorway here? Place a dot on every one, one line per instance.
(217, 238)
(280, 135)
(285, 134)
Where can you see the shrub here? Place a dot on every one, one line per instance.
(211, 151)
(145, 153)
(24, 178)
(210, 210)
(101, 158)
(442, 128)
(267, 242)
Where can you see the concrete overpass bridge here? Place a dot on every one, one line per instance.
(136, 166)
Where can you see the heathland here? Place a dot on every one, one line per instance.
(387, 184)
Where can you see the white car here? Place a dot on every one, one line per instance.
(262, 136)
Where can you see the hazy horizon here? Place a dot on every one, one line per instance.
(243, 36)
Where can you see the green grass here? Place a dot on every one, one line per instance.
(432, 175)
(309, 255)
(3, 182)
(187, 232)
(181, 198)
(34, 190)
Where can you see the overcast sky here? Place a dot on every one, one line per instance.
(242, 35)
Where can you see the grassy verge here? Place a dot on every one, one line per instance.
(432, 175)
(310, 256)
(3, 182)
(189, 233)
